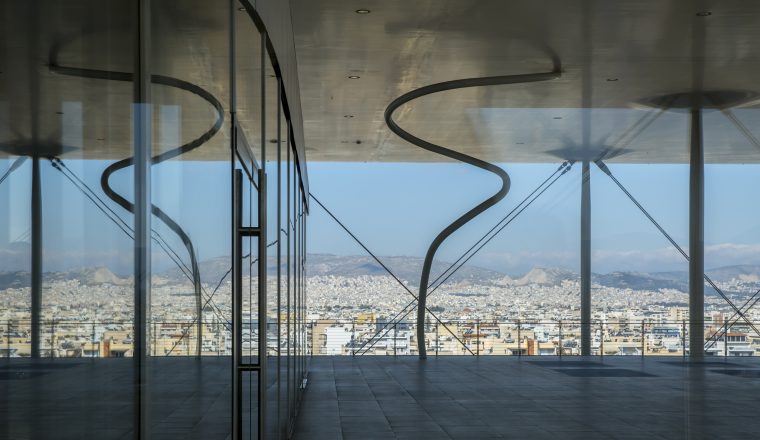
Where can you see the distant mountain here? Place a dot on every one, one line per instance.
(644, 281)
(744, 272)
(89, 276)
(408, 269)
(546, 276)
(14, 280)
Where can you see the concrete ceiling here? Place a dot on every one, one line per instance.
(83, 117)
(615, 57)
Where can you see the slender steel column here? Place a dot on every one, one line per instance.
(696, 237)
(586, 260)
(36, 255)
(142, 120)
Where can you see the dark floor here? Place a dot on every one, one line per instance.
(93, 398)
(622, 398)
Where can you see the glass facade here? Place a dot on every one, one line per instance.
(133, 301)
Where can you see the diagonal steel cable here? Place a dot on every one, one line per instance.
(406, 312)
(602, 166)
(356, 239)
(156, 236)
(741, 127)
(746, 307)
(16, 163)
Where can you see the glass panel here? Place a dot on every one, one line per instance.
(248, 73)
(191, 288)
(250, 306)
(292, 382)
(250, 405)
(282, 281)
(275, 426)
(15, 242)
(66, 249)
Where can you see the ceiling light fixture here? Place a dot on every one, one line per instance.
(704, 13)
(354, 76)
(612, 79)
(363, 11)
(348, 116)
(558, 117)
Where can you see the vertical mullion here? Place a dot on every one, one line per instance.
(289, 320)
(303, 308)
(263, 53)
(262, 223)
(142, 193)
(279, 252)
(236, 394)
(262, 299)
(237, 312)
(297, 296)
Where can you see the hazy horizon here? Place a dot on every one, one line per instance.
(397, 209)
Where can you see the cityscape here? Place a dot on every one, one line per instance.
(355, 308)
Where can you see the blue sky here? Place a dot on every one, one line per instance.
(397, 209)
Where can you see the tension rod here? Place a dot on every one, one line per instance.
(88, 192)
(356, 239)
(746, 307)
(16, 163)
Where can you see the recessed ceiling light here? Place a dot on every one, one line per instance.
(704, 14)
(558, 117)
(354, 76)
(100, 139)
(348, 116)
(612, 79)
(520, 143)
(363, 11)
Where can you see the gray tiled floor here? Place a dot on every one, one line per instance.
(76, 399)
(537, 398)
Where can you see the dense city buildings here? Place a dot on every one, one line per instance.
(535, 314)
